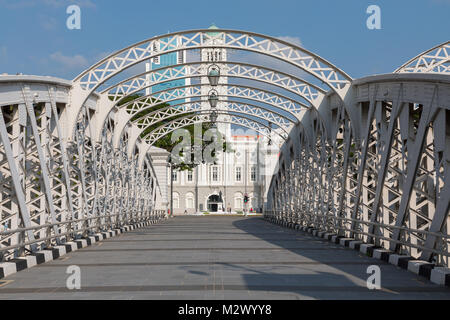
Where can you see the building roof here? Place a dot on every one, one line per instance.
(213, 27)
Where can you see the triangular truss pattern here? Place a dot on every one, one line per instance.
(435, 60)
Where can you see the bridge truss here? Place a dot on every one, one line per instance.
(367, 159)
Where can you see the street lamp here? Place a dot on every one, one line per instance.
(213, 98)
(213, 75)
(213, 118)
(169, 163)
(270, 134)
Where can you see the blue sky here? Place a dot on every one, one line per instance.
(34, 38)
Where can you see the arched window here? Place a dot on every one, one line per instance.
(189, 200)
(176, 200)
(238, 200)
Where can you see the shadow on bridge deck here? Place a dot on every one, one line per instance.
(217, 258)
(330, 271)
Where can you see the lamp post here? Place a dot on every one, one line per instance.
(169, 164)
(213, 75)
(213, 98)
(197, 163)
(213, 118)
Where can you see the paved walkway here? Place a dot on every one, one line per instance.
(217, 258)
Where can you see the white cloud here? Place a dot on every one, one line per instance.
(70, 62)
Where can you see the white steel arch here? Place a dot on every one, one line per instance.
(269, 98)
(299, 57)
(308, 91)
(163, 130)
(154, 117)
(91, 79)
(434, 60)
(195, 92)
(230, 106)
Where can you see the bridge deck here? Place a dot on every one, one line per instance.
(217, 258)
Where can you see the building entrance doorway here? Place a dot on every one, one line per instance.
(214, 203)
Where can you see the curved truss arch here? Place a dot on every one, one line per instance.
(196, 107)
(243, 121)
(299, 57)
(309, 62)
(434, 60)
(230, 106)
(195, 91)
(308, 91)
(236, 91)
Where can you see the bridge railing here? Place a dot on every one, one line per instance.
(310, 222)
(73, 233)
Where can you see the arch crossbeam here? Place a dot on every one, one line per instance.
(300, 87)
(230, 106)
(167, 128)
(232, 91)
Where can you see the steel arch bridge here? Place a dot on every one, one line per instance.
(366, 160)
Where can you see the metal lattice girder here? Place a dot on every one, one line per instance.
(435, 60)
(232, 91)
(191, 92)
(298, 57)
(230, 106)
(167, 128)
(300, 87)
(389, 185)
(42, 174)
(49, 187)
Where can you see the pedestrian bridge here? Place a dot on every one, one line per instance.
(361, 162)
(218, 257)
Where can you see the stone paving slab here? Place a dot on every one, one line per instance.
(217, 258)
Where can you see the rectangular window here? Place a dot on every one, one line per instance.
(189, 176)
(215, 174)
(180, 57)
(253, 173)
(155, 50)
(174, 176)
(238, 174)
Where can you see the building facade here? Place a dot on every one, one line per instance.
(221, 187)
(158, 63)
